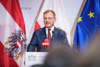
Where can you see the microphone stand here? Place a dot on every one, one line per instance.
(45, 48)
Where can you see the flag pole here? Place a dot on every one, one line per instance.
(75, 23)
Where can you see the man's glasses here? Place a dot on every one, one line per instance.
(49, 18)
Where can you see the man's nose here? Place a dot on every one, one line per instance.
(47, 19)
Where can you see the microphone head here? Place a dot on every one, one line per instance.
(52, 31)
(46, 41)
(45, 44)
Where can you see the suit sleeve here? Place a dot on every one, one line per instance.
(33, 43)
(64, 38)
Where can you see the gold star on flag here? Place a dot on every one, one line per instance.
(80, 19)
(91, 14)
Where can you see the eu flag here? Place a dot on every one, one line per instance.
(87, 25)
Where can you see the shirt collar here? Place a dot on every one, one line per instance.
(52, 29)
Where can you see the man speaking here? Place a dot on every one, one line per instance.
(50, 32)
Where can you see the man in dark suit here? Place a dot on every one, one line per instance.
(56, 35)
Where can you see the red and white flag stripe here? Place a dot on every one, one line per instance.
(37, 26)
(18, 44)
(11, 20)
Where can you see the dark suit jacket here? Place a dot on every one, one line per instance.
(40, 35)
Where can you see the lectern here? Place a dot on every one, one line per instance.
(34, 58)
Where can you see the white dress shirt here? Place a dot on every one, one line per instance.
(51, 31)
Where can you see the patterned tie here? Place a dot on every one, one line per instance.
(49, 35)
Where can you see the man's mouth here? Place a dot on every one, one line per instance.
(47, 23)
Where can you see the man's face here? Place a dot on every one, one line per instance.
(49, 20)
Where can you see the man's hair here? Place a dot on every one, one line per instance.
(47, 11)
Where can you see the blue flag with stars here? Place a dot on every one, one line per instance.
(87, 25)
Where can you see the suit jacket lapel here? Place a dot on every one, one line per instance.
(43, 34)
(54, 36)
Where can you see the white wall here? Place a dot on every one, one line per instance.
(72, 8)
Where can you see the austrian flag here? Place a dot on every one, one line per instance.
(19, 43)
(12, 34)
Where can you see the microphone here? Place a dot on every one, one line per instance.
(52, 32)
(45, 45)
